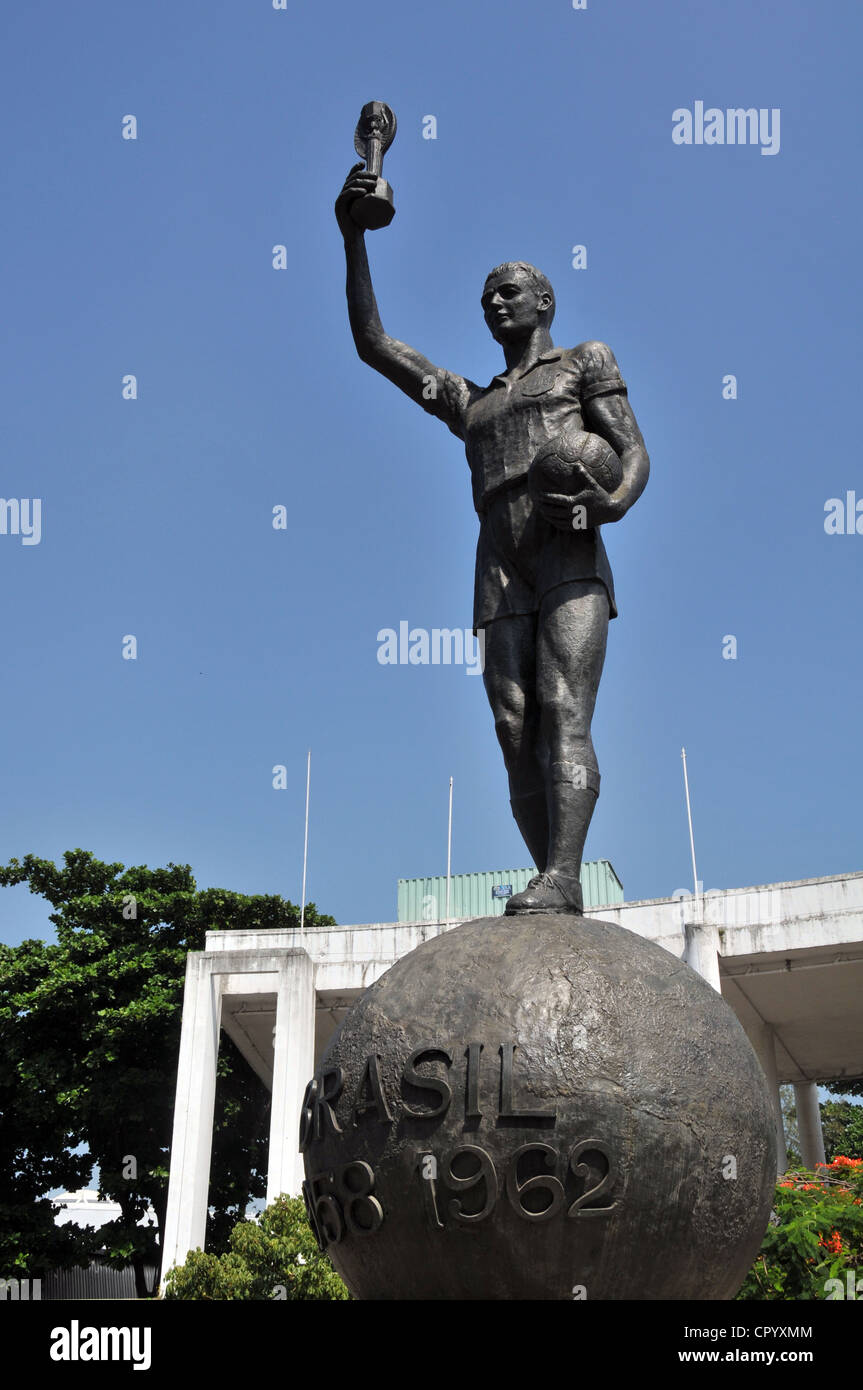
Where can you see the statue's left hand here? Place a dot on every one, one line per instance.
(599, 507)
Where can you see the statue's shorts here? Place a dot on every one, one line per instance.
(520, 557)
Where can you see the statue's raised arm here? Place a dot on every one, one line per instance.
(364, 203)
(400, 363)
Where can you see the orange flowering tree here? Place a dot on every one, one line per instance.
(815, 1236)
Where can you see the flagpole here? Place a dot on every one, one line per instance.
(305, 843)
(689, 818)
(448, 851)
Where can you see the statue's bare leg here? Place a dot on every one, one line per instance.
(510, 682)
(571, 641)
(570, 650)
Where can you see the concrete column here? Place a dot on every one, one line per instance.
(702, 951)
(293, 1067)
(192, 1143)
(764, 1042)
(809, 1123)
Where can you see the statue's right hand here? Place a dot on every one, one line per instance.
(357, 183)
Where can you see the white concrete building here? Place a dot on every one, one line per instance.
(86, 1208)
(787, 958)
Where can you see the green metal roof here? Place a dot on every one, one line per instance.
(424, 899)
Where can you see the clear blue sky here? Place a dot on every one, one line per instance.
(154, 257)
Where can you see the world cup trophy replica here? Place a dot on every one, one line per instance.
(373, 136)
(539, 1105)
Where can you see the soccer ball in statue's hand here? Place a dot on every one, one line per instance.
(570, 463)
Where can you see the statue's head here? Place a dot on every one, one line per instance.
(517, 298)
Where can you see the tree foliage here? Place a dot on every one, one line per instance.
(815, 1235)
(852, 1086)
(274, 1258)
(842, 1125)
(89, 1042)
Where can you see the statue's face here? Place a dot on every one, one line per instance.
(512, 305)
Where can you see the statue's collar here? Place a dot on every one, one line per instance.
(552, 355)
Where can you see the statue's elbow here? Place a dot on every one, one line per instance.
(639, 460)
(369, 347)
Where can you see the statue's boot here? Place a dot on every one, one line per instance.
(548, 894)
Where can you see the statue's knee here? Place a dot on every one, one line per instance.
(509, 727)
(507, 733)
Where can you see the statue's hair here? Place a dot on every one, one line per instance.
(539, 281)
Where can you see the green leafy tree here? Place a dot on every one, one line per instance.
(852, 1086)
(90, 1035)
(37, 1144)
(851, 1142)
(274, 1258)
(815, 1235)
(842, 1125)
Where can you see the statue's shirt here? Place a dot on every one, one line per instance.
(520, 555)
